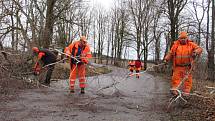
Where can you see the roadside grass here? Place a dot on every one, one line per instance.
(97, 71)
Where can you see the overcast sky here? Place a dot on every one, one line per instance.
(104, 3)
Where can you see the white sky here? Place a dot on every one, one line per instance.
(104, 3)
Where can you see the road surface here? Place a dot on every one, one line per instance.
(124, 99)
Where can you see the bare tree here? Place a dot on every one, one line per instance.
(48, 30)
(211, 75)
(174, 9)
(199, 20)
(109, 38)
(142, 15)
(101, 33)
(157, 35)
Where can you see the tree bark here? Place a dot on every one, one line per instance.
(211, 75)
(48, 30)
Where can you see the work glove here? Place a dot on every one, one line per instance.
(165, 62)
(67, 56)
(85, 61)
(91, 67)
(194, 54)
(83, 55)
(37, 71)
(81, 63)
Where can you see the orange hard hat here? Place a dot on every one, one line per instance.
(35, 49)
(83, 38)
(183, 35)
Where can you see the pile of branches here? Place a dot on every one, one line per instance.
(12, 65)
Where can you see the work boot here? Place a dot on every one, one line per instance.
(130, 74)
(72, 91)
(82, 91)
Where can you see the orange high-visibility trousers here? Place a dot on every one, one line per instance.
(81, 75)
(131, 68)
(138, 72)
(178, 74)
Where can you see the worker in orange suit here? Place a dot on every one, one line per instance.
(131, 66)
(138, 66)
(79, 52)
(48, 58)
(183, 53)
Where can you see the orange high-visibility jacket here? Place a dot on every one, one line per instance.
(182, 54)
(131, 63)
(84, 53)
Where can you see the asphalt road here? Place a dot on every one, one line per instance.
(109, 97)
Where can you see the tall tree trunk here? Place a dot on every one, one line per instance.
(199, 34)
(12, 33)
(48, 30)
(211, 75)
(1, 45)
(208, 23)
(112, 44)
(174, 9)
(172, 20)
(32, 23)
(145, 48)
(13, 26)
(94, 40)
(17, 32)
(157, 50)
(99, 42)
(109, 40)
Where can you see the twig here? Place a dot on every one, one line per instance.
(195, 94)
(56, 80)
(28, 80)
(8, 53)
(4, 68)
(27, 73)
(54, 63)
(175, 98)
(210, 87)
(108, 86)
(213, 89)
(88, 103)
(67, 55)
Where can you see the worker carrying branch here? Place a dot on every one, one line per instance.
(47, 57)
(79, 52)
(183, 53)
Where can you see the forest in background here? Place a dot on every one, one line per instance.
(145, 29)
